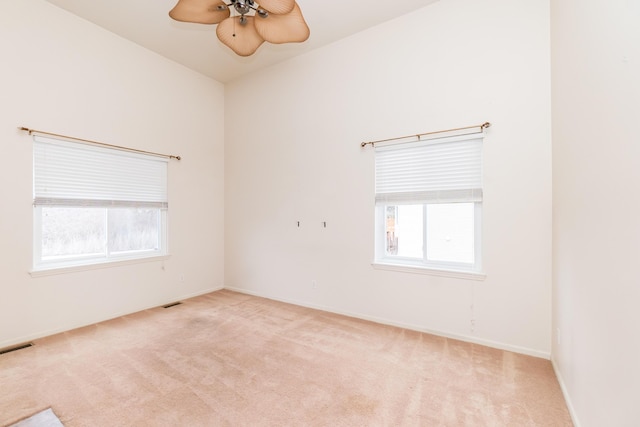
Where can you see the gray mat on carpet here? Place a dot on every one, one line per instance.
(44, 418)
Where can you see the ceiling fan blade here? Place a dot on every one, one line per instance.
(200, 11)
(279, 7)
(243, 39)
(288, 28)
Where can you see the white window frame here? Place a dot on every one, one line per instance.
(473, 195)
(120, 196)
(382, 258)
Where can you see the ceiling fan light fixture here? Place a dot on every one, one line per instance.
(275, 21)
(242, 6)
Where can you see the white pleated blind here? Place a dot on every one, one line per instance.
(74, 174)
(443, 170)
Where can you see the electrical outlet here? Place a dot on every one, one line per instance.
(182, 277)
(314, 284)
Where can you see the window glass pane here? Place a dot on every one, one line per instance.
(450, 232)
(404, 227)
(391, 212)
(134, 229)
(69, 232)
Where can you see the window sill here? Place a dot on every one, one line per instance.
(107, 264)
(469, 275)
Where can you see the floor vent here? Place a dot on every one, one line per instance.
(15, 348)
(173, 304)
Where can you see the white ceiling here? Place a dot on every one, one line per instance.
(147, 23)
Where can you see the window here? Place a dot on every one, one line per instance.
(429, 203)
(94, 205)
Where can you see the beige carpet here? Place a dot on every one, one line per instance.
(228, 359)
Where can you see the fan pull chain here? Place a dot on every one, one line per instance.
(234, 28)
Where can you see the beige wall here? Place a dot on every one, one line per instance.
(293, 154)
(64, 75)
(596, 180)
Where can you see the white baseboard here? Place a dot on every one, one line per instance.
(466, 338)
(197, 294)
(42, 334)
(565, 393)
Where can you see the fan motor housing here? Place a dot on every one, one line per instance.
(242, 6)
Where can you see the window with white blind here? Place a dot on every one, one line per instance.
(429, 203)
(96, 205)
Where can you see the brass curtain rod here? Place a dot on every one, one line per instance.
(419, 135)
(102, 144)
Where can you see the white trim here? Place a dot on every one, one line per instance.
(50, 332)
(565, 393)
(466, 338)
(94, 266)
(405, 268)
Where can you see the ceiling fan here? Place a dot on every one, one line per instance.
(274, 21)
